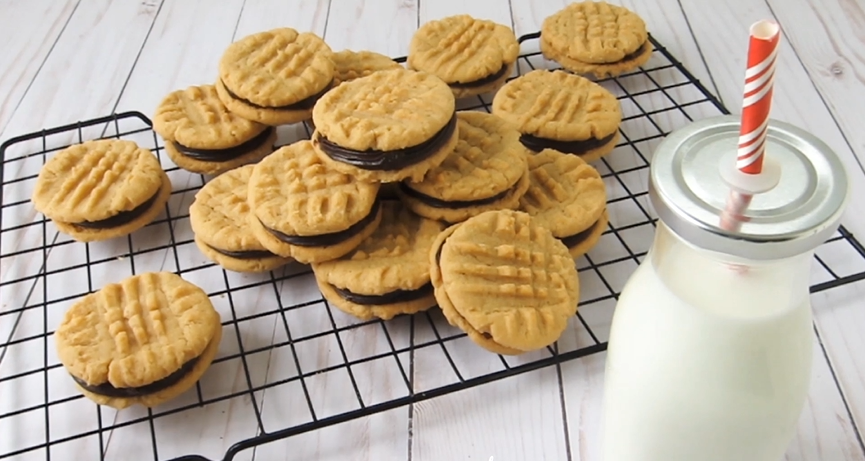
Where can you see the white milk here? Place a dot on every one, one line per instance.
(707, 362)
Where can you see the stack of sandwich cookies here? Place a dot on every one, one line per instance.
(473, 56)
(275, 77)
(102, 189)
(562, 111)
(350, 65)
(219, 217)
(386, 127)
(568, 197)
(303, 209)
(142, 341)
(388, 274)
(504, 280)
(486, 171)
(596, 38)
(202, 136)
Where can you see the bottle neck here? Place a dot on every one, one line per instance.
(729, 284)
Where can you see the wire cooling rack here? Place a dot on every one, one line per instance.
(289, 363)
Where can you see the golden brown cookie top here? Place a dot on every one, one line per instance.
(394, 257)
(508, 277)
(293, 192)
(566, 195)
(96, 180)
(488, 160)
(194, 117)
(595, 32)
(220, 213)
(558, 105)
(349, 65)
(387, 110)
(276, 68)
(137, 331)
(462, 49)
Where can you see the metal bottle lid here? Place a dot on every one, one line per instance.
(802, 211)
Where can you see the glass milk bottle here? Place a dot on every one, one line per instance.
(709, 355)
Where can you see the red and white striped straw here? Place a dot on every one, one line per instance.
(759, 80)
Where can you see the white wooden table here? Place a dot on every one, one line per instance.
(69, 60)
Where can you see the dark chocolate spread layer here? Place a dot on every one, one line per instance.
(483, 81)
(538, 144)
(439, 203)
(324, 240)
(574, 240)
(124, 217)
(393, 159)
(303, 104)
(251, 254)
(635, 54)
(224, 155)
(108, 390)
(393, 297)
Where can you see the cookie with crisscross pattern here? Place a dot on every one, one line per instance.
(504, 280)
(144, 340)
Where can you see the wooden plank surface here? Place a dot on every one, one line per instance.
(84, 60)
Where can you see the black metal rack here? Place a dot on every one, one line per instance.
(43, 272)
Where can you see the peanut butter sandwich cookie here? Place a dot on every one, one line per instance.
(562, 111)
(486, 171)
(473, 56)
(386, 127)
(303, 209)
(505, 280)
(568, 197)
(275, 77)
(349, 65)
(388, 274)
(102, 189)
(143, 341)
(596, 38)
(202, 136)
(220, 220)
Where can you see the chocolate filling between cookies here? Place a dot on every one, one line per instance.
(393, 297)
(635, 54)
(122, 218)
(537, 144)
(439, 203)
(392, 159)
(482, 81)
(224, 155)
(324, 240)
(251, 254)
(574, 240)
(304, 104)
(108, 390)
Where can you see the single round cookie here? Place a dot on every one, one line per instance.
(486, 171)
(387, 126)
(568, 197)
(144, 340)
(388, 274)
(504, 280)
(350, 65)
(102, 189)
(202, 136)
(303, 209)
(275, 77)
(473, 56)
(596, 38)
(219, 217)
(562, 111)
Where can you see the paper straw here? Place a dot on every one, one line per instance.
(757, 102)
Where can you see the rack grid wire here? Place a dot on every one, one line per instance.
(288, 363)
